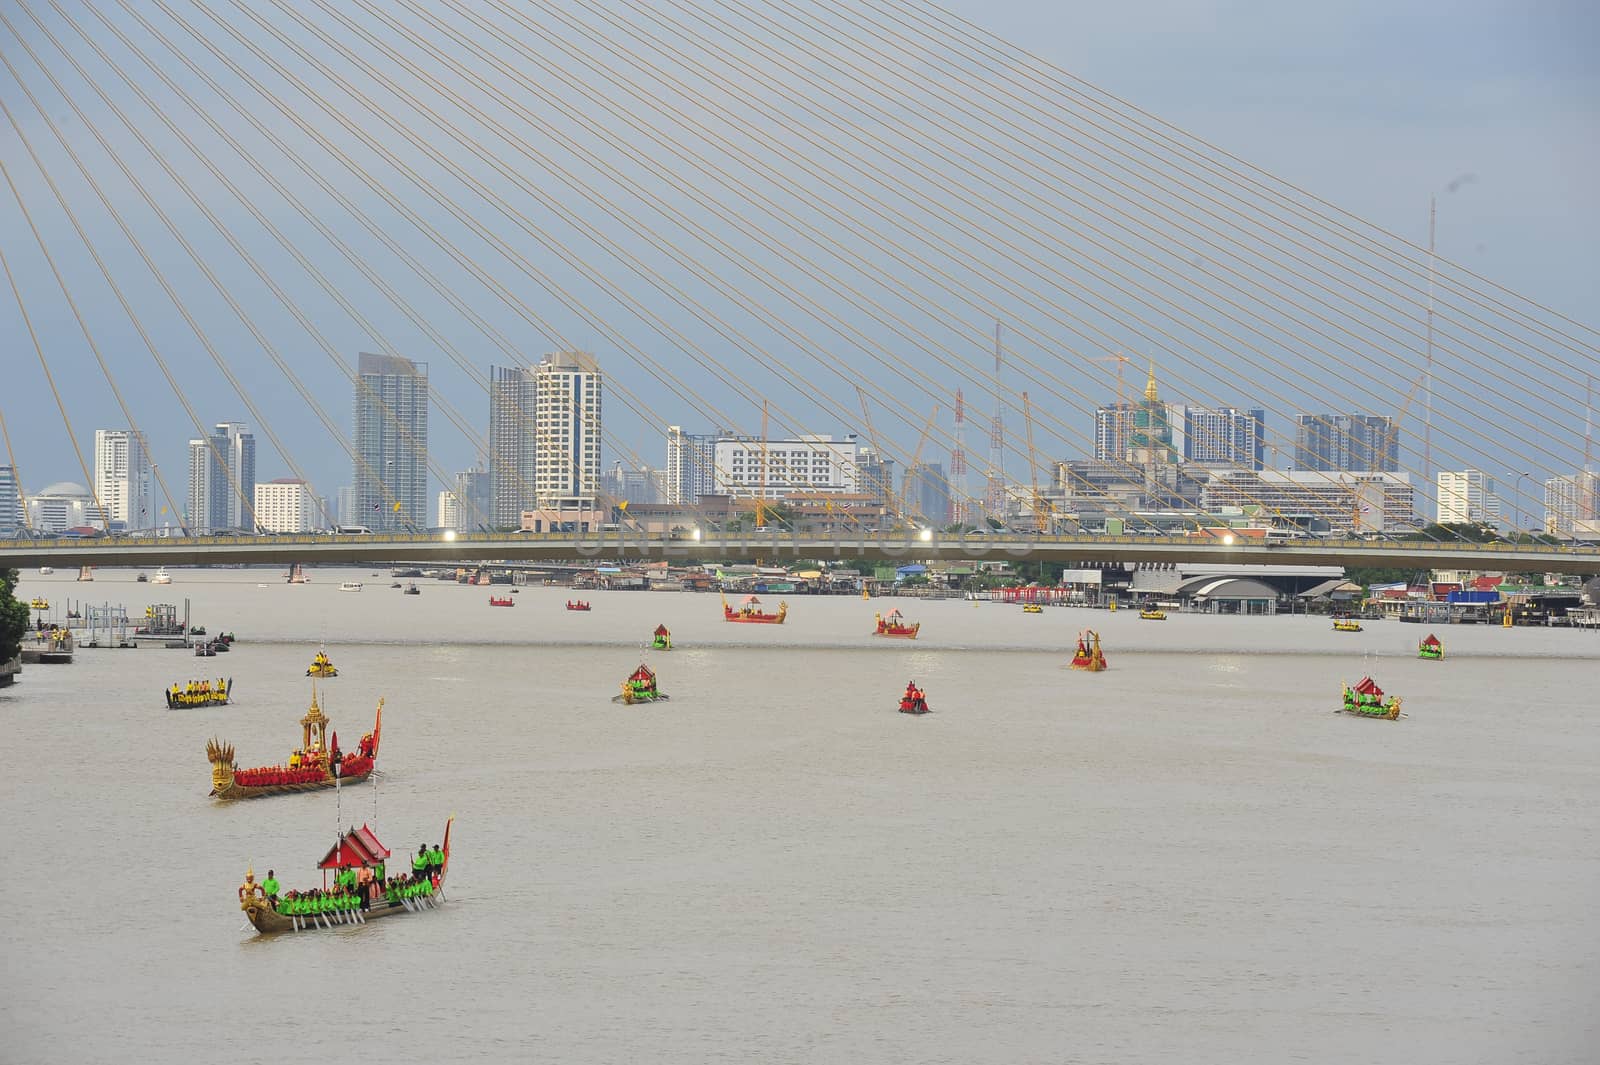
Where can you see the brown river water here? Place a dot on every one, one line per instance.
(1188, 858)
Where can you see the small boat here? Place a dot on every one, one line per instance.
(507, 601)
(39, 604)
(750, 612)
(199, 693)
(86, 573)
(576, 605)
(45, 571)
(316, 764)
(1032, 608)
(1153, 614)
(1366, 700)
(205, 649)
(322, 666)
(1346, 625)
(143, 578)
(915, 700)
(297, 575)
(396, 584)
(661, 639)
(349, 586)
(895, 626)
(1430, 648)
(162, 576)
(226, 638)
(412, 589)
(1089, 657)
(197, 630)
(363, 891)
(640, 687)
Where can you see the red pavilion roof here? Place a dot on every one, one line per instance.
(357, 847)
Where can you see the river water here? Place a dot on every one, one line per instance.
(1187, 858)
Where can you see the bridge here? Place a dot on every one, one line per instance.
(1048, 308)
(786, 545)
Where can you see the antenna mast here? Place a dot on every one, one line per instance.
(994, 495)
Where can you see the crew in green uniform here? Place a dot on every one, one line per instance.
(270, 886)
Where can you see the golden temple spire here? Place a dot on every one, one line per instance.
(1150, 385)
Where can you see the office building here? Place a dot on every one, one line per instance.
(1467, 497)
(875, 475)
(1571, 503)
(344, 506)
(568, 390)
(287, 505)
(927, 494)
(10, 502)
(447, 512)
(1224, 436)
(222, 480)
(61, 506)
(513, 403)
(748, 467)
(391, 441)
(1113, 431)
(122, 477)
(691, 467)
(1354, 442)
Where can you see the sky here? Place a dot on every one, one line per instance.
(1373, 107)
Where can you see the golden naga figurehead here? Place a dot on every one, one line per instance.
(221, 756)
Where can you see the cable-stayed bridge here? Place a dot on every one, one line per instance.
(770, 221)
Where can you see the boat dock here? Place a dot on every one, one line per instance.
(48, 647)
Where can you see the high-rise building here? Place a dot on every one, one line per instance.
(473, 493)
(222, 480)
(1569, 501)
(747, 467)
(344, 506)
(391, 438)
(1113, 432)
(287, 505)
(448, 513)
(10, 502)
(691, 467)
(122, 477)
(1354, 442)
(513, 404)
(1467, 497)
(927, 494)
(875, 475)
(1224, 436)
(568, 389)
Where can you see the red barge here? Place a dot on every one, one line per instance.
(750, 612)
(895, 625)
(317, 764)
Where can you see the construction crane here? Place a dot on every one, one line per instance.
(887, 483)
(916, 461)
(1041, 519)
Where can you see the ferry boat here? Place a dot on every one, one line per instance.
(1430, 648)
(1032, 608)
(322, 666)
(38, 603)
(358, 856)
(1088, 656)
(317, 764)
(640, 687)
(1346, 625)
(349, 586)
(1152, 614)
(915, 700)
(750, 612)
(162, 576)
(507, 601)
(661, 639)
(895, 626)
(200, 693)
(578, 604)
(1366, 700)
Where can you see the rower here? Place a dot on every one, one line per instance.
(419, 864)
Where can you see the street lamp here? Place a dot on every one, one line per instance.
(1525, 513)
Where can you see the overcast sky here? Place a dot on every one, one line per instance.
(1373, 106)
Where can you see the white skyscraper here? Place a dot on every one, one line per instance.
(513, 402)
(1467, 497)
(391, 442)
(1571, 503)
(691, 467)
(122, 477)
(749, 467)
(568, 389)
(10, 501)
